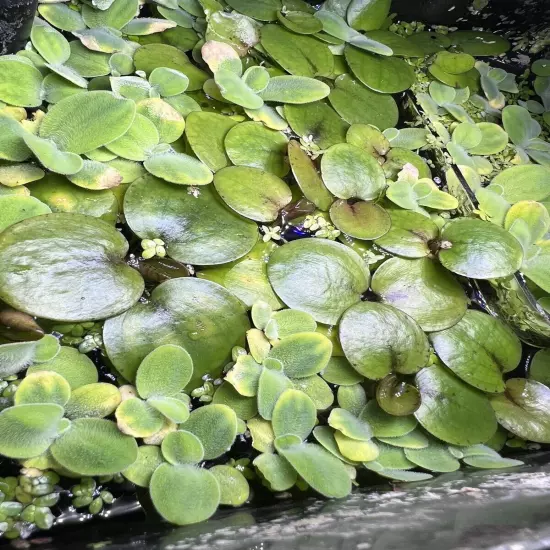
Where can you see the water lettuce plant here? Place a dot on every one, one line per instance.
(229, 267)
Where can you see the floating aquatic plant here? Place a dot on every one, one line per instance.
(219, 204)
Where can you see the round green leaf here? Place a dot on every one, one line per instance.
(172, 408)
(351, 426)
(148, 460)
(361, 220)
(491, 462)
(215, 426)
(359, 105)
(138, 142)
(104, 116)
(422, 289)
(338, 280)
(234, 489)
(302, 354)
(252, 144)
(276, 471)
(367, 15)
(294, 89)
(62, 17)
(43, 387)
(350, 172)
(524, 409)
(252, 192)
(74, 366)
(455, 63)
(200, 316)
(388, 75)
(436, 458)
(179, 168)
(82, 64)
(479, 249)
(164, 372)
(524, 182)
(493, 139)
(171, 487)
(430, 42)
(322, 471)
(451, 410)
(479, 349)
(138, 418)
(409, 235)
(352, 398)
(271, 385)
(244, 407)
(355, 450)
(300, 22)
(387, 425)
(94, 447)
(206, 134)
(339, 371)
(298, 54)
(169, 123)
(379, 339)
(20, 82)
(95, 400)
(182, 447)
(294, 413)
(393, 457)
(317, 390)
(28, 430)
(199, 230)
(75, 258)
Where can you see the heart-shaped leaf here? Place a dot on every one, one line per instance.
(299, 55)
(410, 234)
(349, 172)
(422, 289)
(479, 249)
(200, 230)
(379, 339)
(361, 220)
(349, 425)
(359, 105)
(214, 322)
(339, 371)
(387, 75)
(252, 144)
(525, 182)
(206, 134)
(451, 410)
(15, 208)
(479, 349)
(326, 292)
(98, 284)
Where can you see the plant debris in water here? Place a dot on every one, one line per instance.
(214, 202)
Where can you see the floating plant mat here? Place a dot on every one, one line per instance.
(220, 206)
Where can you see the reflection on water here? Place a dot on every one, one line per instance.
(475, 510)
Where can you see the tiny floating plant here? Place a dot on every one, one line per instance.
(219, 205)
